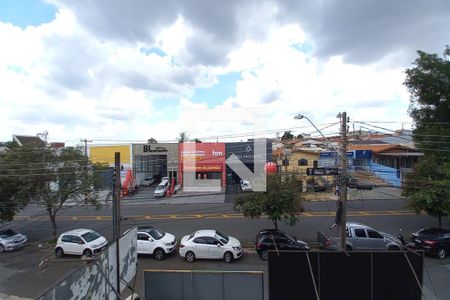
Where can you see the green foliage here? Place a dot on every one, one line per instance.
(429, 84)
(287, 135)
(428, 186)
(281, 202)
(45, 176)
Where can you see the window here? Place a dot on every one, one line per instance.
(77, 240)
(200, 240)
(315, 164)
(302, 162)
(156, 233)
(67, 238)
(373, 234)
(142, 237)
(360, 233)
(90, 236)
(211, 241)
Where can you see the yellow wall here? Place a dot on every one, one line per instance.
(293, 162)
(105, 154)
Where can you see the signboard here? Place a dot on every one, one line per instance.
(333, 154)
(361, 154)
(202, 168)
(322, 171)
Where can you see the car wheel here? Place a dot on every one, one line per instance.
(59, 252)
(228, 257)
(441, 253)
(1, 249)
(159, 254)
(190, 256)
(393, 248)
(87, 253)
(348, 248)
(265, 255)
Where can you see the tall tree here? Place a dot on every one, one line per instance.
(182, 137)
(429, 85)
(48, 177)
(287, 135)
(280, 203)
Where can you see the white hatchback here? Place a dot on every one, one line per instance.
(80, 242)
(151, 240)
(210, 244)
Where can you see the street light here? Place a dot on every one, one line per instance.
(341, 213)
(329, 145)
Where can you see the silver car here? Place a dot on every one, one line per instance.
(11, 240)
(361, 237)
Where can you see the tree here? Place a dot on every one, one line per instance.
(49, 177)
(428, 187)
(182, 137)
(281, 202)
(287, 135)
(429, 85)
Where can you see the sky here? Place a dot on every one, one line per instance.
(123, 71)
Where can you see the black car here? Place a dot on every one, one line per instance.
(273, 239)
(435, 241)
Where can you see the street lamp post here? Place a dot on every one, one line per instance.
(341, 212)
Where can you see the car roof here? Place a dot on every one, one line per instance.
(356, 224)
(78, 231)
(205, 232)
(145, 228)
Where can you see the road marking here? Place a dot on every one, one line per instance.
(309, 214)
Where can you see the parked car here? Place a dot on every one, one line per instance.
(148, 181)
(161, 189)
(11, 240)
(274, 239)
(80, 242)
(210, 244)
(151, 240)
(435, 241)
(246, 186)
(361, 237)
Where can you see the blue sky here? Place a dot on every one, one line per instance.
(25, 13)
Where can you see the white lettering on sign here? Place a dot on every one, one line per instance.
(217, 153)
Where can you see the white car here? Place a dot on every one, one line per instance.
(246, 186)
(161, 189)
(210, 244)
(148, 181)
(151, 240)
(11, 240)
(80, 242)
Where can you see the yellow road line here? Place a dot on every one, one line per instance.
(219, 216)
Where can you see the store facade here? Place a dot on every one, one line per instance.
(246, 153)
(202, 161)
(155, 159)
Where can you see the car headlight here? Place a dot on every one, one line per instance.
(236, 248)
(9, 242)
(167, 244)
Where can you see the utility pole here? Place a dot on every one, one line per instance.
(116, 214)
(343, 180)
(85, 145)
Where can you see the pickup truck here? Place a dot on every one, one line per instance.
(361, 237)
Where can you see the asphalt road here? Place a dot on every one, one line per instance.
(21, 268)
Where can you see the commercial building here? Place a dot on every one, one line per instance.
(202, 161)
(246, 153)
(105, 154)
(155, 159)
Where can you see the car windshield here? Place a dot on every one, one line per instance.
(147, 179)
(156, 233)
(90, 236)
(7, 233)
(160, 187)
(222, 237)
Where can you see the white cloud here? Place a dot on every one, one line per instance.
(85, 74)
